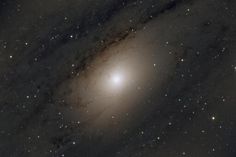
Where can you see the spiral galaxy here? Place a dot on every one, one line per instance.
(121, 78)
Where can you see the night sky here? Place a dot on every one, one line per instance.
(117, 78)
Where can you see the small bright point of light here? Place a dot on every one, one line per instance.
(213, 118)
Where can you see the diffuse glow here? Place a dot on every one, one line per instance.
(117, 79)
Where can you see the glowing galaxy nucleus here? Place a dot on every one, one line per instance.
(116, 79)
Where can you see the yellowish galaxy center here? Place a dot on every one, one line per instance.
(117, 79)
